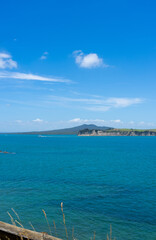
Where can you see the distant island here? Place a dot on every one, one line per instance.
(93, 130)
(65, 131)
(117, 132)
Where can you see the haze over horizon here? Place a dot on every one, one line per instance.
(67, 63)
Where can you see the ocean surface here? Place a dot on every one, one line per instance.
(101, 181)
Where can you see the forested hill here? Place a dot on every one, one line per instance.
(67, 131)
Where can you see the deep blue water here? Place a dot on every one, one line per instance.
(100, 180)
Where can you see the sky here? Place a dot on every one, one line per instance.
(66, 63)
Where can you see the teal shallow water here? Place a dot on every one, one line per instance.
(101, 180)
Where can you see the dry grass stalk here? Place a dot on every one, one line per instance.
(32, 226)
(12, 220)
(55, 228)
(64, 221)
(110, 232)
(19, 223)
(62, 206)
(16, 214)
(107, 237)
(47, 221)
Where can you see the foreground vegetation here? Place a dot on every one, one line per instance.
(24, 234)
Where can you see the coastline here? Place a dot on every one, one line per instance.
(117, 132)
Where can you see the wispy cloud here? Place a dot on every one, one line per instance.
(29, 76)
(6, 61)
(116, 121)
(87, 121)
(37, 120)
(123, 102)
(89, 104)
(44, 56)
(98, 108)
(78, 100)
(98, 104)
(100, 122)
(91, 60)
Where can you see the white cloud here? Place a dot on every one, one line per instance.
(98, 104)
(98, 108)
(123, 102)
(91, 60)
(96, 121)
(6, 61)
(116, 121)
(79, 100)
(75, 120)
(29, 76)
(87, 121)
(38, 120)
(44, 56)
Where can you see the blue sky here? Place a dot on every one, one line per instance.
(65, 63)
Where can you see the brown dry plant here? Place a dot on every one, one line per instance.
(64, 221)
(45, 215)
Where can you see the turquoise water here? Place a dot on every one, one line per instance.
(100, 180)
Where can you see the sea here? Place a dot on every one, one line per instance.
(104, 183)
